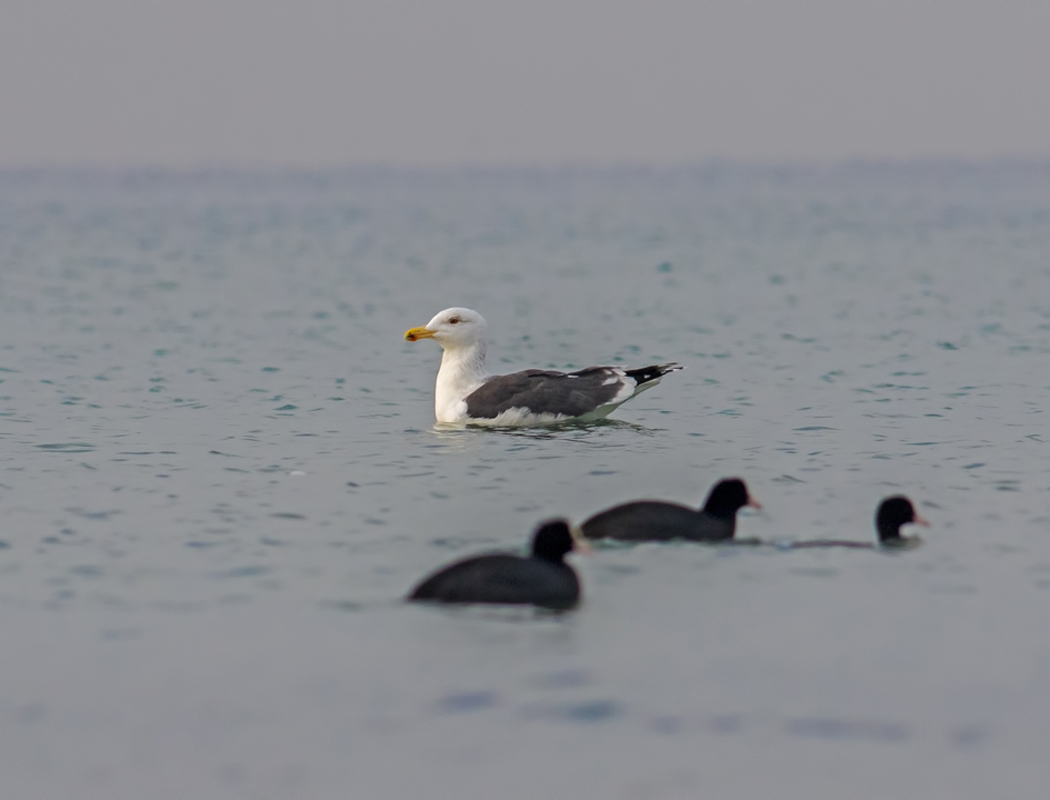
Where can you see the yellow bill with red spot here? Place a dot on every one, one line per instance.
(415, 334)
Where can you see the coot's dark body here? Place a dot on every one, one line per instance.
(543, 579)
(502, 578)
(657, 521)
(829, 543)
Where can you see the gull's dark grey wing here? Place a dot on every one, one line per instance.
(569, 394)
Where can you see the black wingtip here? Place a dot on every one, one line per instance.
(652, 372)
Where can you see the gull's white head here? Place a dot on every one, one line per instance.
(453, 329)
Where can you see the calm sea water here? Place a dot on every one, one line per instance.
(219, 476)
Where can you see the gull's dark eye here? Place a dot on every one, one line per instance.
(454, 321)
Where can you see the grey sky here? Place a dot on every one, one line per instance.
(437, 81)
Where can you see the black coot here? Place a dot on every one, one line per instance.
(892, 513)
(656, 521)
(542, 579)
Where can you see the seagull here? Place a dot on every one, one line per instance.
(467, 394)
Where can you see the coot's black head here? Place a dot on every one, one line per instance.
(727, 497)
(552, 540)
(894, 512)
